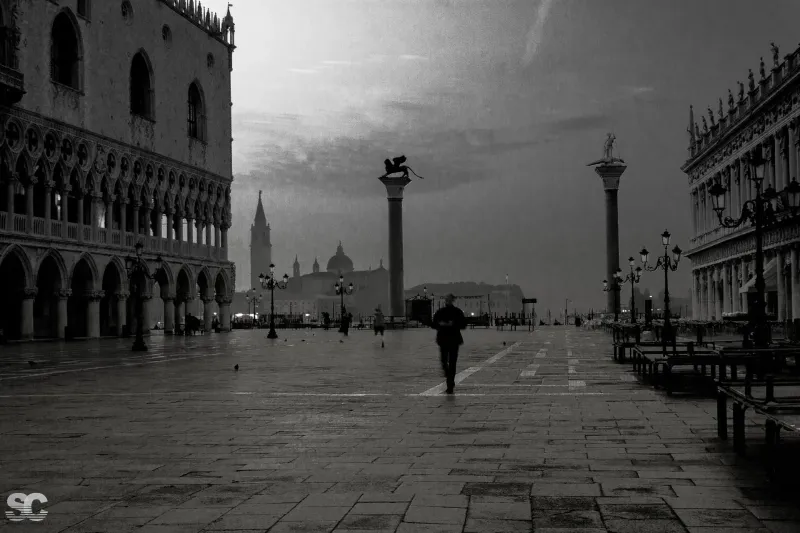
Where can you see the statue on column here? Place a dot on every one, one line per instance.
(705, 125)
(396, 166)
(696, 130)
(711, 116)
(761, 69)
(731, 103)
(608, 152)
(751, 80)
(775, 54)
(741, 91)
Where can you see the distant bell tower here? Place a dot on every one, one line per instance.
(316, 266)
(296, 267)
(260, 246)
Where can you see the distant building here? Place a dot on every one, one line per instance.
(313, 293)
(765, 118)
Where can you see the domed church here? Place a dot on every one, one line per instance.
(313, 293)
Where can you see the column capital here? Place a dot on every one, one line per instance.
(29, 293)
(395, 186)
(610, 174)
(62, 294)
(122, 295)
(222, 300)
(94, 296)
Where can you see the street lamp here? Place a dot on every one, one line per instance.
(270, 283)
(341, 290)
(666, 263)
(137, 267)
(766, 209)
(634, 277)
(613, 287)
(253, 300)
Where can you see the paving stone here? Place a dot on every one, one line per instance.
(644, 526)
(435, 515)
(497, 526)
(301, 513)
(637, 512)
(370, 521)
(379, 508)
(500, 511)
(243, 521)
(717, 518)
(189, 516)
(429, 528)
(566, 518)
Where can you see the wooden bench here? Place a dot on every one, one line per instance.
(780, 413)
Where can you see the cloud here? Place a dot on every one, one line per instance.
(579, 123)
(338, 62)
(412, 57)
(534, 36)
(304, 70)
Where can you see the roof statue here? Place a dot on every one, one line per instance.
(751, 81)
(711, 116)
(705, 125)
(696, 130)
(761, 68)
(731, 103)
(396, 166)
(741, 91)
(720, 112)
(775, 54)
(608, 153)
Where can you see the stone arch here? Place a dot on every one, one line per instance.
(185, 289)
(196, 112)
(113, 284)
(51, 279)
(17, 251)
(66, 50)
(222, 284)
(90, 263)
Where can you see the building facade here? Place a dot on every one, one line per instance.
(115, 128)
(763, 117)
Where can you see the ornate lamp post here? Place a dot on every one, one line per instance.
(613, 287)
(341, 290)
(665, 263)
(766, 209)
(634, 277)
(252, 302)
(137, 267)
(270, 283)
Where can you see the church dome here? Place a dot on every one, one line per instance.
(340, 262)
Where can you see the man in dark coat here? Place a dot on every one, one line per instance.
(448, 323)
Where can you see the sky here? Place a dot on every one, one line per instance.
(500, 105)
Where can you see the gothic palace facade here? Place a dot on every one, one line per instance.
(764, 116)
(115, 128)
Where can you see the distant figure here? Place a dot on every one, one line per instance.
(448, 323)
(346, 319)
(326, 320)
(380, 324)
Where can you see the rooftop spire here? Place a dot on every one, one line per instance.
(690, 128)
(261, 218)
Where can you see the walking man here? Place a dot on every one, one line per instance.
(448, 323)
(380, 325)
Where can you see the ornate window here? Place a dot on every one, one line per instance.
(166, 34)
(65, 54)
(141, 86)
(196, 117)
(127, 12)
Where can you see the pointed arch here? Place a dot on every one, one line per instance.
(142, 84)
(222, 283)
(66, 50)
(196, 112)
(90, 262)
(119, 264)
(59, 261)
(17, 251)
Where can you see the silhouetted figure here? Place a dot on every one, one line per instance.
(380, 324)
(346, 319)
(326, 320)
(448, 323)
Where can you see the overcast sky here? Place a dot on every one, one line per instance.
(500, 105)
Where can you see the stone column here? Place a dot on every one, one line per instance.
(695, 297)
(94, 223)
(726, 289)
(745, 279)
(208, 316)
(122, 311)
(180, 311)
(170, 232)
(224, 245)
(109, 203)
(48, 197)
(147, 221)
(28, 295)
(794, 284)
(792, 142)
(123, 220)
(190, 233)
(702, 209)
(208, 238)
(225, 314)
(157, 230)
(29, 209)
(80, 215)
(65, 211)
(785, 172)
(735, 286)
(136, 206)
(169, 314)
(146, 320)
(62, 296)
(394, 193)
(10, 204)
(717, 298)
(709, 293)
(779, 274)
(93, 314)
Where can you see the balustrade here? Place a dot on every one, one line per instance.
(130, 239)
(20, 222)
(2, 221)
(38, 226)
(115, 238)
(102, 235)
(87, 233)
(72, 230)
(55, 228)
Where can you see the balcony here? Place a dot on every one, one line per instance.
(12, 82)
(114, 240)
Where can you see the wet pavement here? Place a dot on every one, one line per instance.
(545, 433)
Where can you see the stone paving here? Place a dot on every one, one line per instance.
(545, 433)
